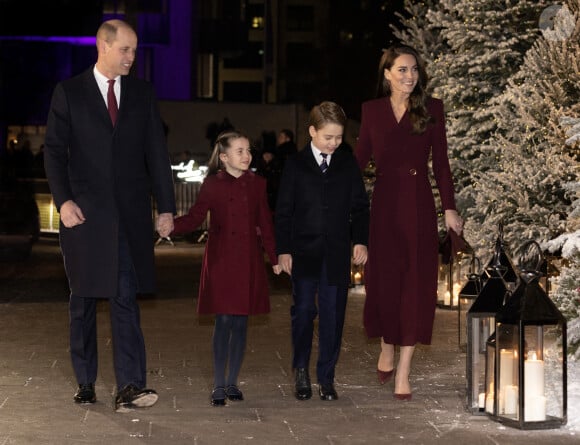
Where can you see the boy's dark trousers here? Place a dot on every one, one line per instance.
(331, 312)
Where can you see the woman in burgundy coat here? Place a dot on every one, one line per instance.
(402, 130)
(233, 281)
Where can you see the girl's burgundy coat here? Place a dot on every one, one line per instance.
(233, 277)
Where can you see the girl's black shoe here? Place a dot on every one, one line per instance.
(218, 396)
(234, 393)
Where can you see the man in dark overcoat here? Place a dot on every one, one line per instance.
(103, 163)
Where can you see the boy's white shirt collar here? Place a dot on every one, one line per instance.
(318, 155)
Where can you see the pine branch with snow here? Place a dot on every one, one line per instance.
(487, 41)
(522, 175)
(567, 284)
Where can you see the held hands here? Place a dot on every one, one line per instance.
(277, 269)
(165, 224)
(359, 254)
(71, 214)
(453, 221)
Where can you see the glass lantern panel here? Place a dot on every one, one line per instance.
(356, 274)
(490, 378)
(461, 270)
(465, 304)
(478, 330)
(543, 373)
(485, 327)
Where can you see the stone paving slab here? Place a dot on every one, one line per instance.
(37, 384)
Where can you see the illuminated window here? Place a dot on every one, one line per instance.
(257, 22)
(255, 16)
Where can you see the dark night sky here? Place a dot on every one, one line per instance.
(354, 60)
(358, 31)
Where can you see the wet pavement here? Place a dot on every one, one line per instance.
(37, 383)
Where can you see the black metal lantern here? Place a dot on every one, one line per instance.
(500, 257)
(480, 326)
(498, 281)
(454, 265)
(530, 364)
(467, 296)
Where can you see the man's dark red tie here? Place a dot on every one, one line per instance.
(112, 101)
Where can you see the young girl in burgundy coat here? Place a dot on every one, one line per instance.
(233, 281)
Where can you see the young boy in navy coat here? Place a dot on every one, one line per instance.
(322, 208)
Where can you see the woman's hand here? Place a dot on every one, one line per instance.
(453, 221)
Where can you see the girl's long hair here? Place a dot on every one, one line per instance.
(222, 143)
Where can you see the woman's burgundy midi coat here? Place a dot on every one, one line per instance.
(401, 272)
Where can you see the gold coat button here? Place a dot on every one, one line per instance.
(413, 172)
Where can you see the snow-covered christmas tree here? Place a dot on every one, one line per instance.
(520, 177)
(567, 284)
(487, 40)
(473, 48)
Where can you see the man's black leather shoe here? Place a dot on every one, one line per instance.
(327, 391)
(303, 388)
(131, 397)
(85, 394)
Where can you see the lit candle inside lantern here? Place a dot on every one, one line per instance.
(535, 408)
(506, 374)
(511, 399)
(534, 400)
(357, 278)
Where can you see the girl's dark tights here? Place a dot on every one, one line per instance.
(229, 345)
